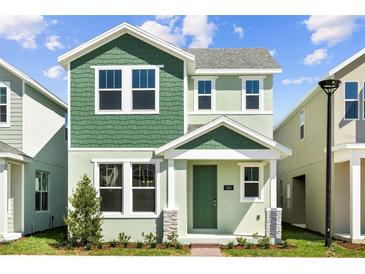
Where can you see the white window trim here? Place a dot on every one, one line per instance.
(212, 79)
(261, 93)
(127, 105)
(127, 188)
(351, 100)
(8, 104)
(302, 124)
(48, 191)
(244, 199)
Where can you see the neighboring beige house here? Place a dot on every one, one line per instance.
(33, 155)
(301, 177)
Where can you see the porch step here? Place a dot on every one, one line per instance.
(208, 245)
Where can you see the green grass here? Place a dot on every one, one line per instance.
(45, 244)
(302, 244)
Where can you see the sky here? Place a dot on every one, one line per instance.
(306, 47)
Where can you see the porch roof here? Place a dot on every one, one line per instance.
(246, 132)
(9, 152)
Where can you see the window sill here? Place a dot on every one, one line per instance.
(244, 112)
(4, 124)
(118, 215)
(41, 211)
(126, 113)
(251, 200)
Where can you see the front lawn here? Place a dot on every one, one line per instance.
(47, 244)
(302, 243)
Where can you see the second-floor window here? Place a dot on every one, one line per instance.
(204, 94)
(301, 124)
(351, 101)
(110, 89)
(143, 89)
(252, 94)
(4, 105)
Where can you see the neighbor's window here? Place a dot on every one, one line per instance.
(281, 193)
(111, 187)
(351, 100)
(301, 124)
(4, 104)
(41, 190)
(252, 94)
(144, 187)
(144, 89)
(288, 196)
(110, 89)
(204, 94)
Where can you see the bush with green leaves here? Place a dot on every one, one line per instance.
(84, 218)
(139, 244)
(241, 241)
(285, 244)
(172, 239)
(113, 243)
(178, 245)
(264, 242)
(124, 239)
(150, 239)
(230, 245)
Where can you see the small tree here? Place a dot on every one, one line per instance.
(84, 218)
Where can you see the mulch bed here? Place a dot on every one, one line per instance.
(256, 247)
(349, 245)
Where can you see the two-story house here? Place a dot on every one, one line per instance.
(174, 140)
(33, 155)
(301, 177)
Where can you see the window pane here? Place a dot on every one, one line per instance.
(2, 113)
(251, 190)
(37, 201)
(118, 79)
(111, 175)
(143, 175)
(204, 87)
(252, 87)
(204, 102)
(351, 110)
(301, 131)
(111, 200)
(301, 117)
(102, 78)
(351, 90)
(2, 95)
(201, 87)
(151, 78)
(110, 99)
(44, 200)
(143, 75)
(38, 179)
(144, 99)
(252, 102)
(251, 173)
(44, 182)
(110, 78)
(144, 200)
(135, 78)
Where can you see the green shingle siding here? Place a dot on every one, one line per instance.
(91, 130)
(222, 138)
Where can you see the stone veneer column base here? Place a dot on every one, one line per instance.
(170, 217)
(273, 218)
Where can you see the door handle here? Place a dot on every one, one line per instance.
(215, 202)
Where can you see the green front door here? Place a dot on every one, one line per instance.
(204, 196)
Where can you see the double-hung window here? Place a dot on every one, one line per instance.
(144, 89)
(351, 101)
(4, 105)
(251, 180)
(204, 94)
(111, 187)
(252, 94)
(301, 125)
(110, 90)
(144, 187)
(41, 190)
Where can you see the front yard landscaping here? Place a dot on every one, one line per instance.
(299, 243)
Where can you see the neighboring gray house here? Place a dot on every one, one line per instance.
(33, 155)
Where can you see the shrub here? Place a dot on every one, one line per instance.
(167, 244)
(285, 244)
(249, 245)
(124, 239)
(139, 244)
(241, 241)
(113, 243)
(178, 245)
(264, 242)
(99, 245)
(172, 238)
(84, 217)
(88, 246)
(150, 239)
(230, 245)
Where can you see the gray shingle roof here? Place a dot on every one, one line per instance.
(5, 148)
(233, 58)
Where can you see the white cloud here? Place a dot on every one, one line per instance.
(53, 42)
(201, 31)
(316, 57)
(331, 29)
(272, 52)
(165, 32)
(298, 81)
(55, 72)
(239, 30)
(22, 29)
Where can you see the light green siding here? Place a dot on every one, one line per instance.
(91, 130)
(222, 138)
(13, 135)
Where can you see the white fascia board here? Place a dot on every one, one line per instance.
(118, 31)
(224, 121)
(236, 71)
(15, 157)
(33, 83)
(347, 62)
(353, 146)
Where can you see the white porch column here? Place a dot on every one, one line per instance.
(355, 197)
(3, 196)
(170, 183)
(273, 197)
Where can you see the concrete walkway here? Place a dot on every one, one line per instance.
(206, 251)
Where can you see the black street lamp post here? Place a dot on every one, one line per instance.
(329, 86)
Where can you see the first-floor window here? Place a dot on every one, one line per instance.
(251, 178)
(41, 190)
(144, 187)
(111, 187)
